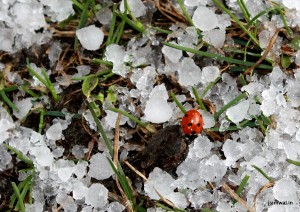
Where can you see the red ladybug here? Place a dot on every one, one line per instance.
(192, 123)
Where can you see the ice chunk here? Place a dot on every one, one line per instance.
(291, 150)
(276, 76)
(22, 144)
(66, 201)
(97, 195)
(293, 92)
(29, 15)
(200, 197)
(215, 37)
(100, 168)
(268, 105)
(232, 151)
(178, 199)
(264, 38)
(147, 79)
(115, 207)
(208, 119)
(193, 3)
(83, 70)
(204, 19)
(5, 158)
(54, 53)
(297, 58)
(42, 155)
(286, 190)
(5, 125)
(7, 39)
(213, 169)
(23, 106)
(54, 132)
(253, 88)
(189, 38)
(159, 181)
(210, 73)
(80, 169)
(116, 54)
(104, 15)
(157, 108)
(80, 191)
(200, 148)
(136, 7)
(90, 37)
(189, 73)
(238, 112)
(58, 10)
(34, 207)
(111, 118)
(65, 173)
(172, 54)
(79, 151)
(291, 4)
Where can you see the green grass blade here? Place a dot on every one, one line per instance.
(210, 85)
(185, 12)
(160, 30)
(83, 19)
(123, 181)
(49, 85)
(101, 130)
(199, 100)
(77, 4)
(30, 92)
(263, 173)
(241, 186)
(20, 200)
(233, 128)
(13, 197)
(183, 110)
(217, 56)
(25, 190)
(242, 79)
(33, 73)
(46, 81)
(19, 155)
(112, 26)
(41, 123)
(137, 26)
(230, 104)
(7, 100)
(136, 120)
(296, 163)
(244, 10)
(119, 32)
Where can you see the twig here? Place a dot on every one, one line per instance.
(237, 198)
(116, 139)
(136, 171)
(168, 202)
(266, 52)
(116, 161)
(266, 186)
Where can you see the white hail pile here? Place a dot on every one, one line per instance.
(22, 24)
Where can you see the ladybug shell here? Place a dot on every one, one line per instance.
(192, 123)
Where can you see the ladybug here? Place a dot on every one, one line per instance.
(192, 123)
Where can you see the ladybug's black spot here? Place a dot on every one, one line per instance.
(186, 115)
(199, 125)
(190, 124)
(193, 132)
